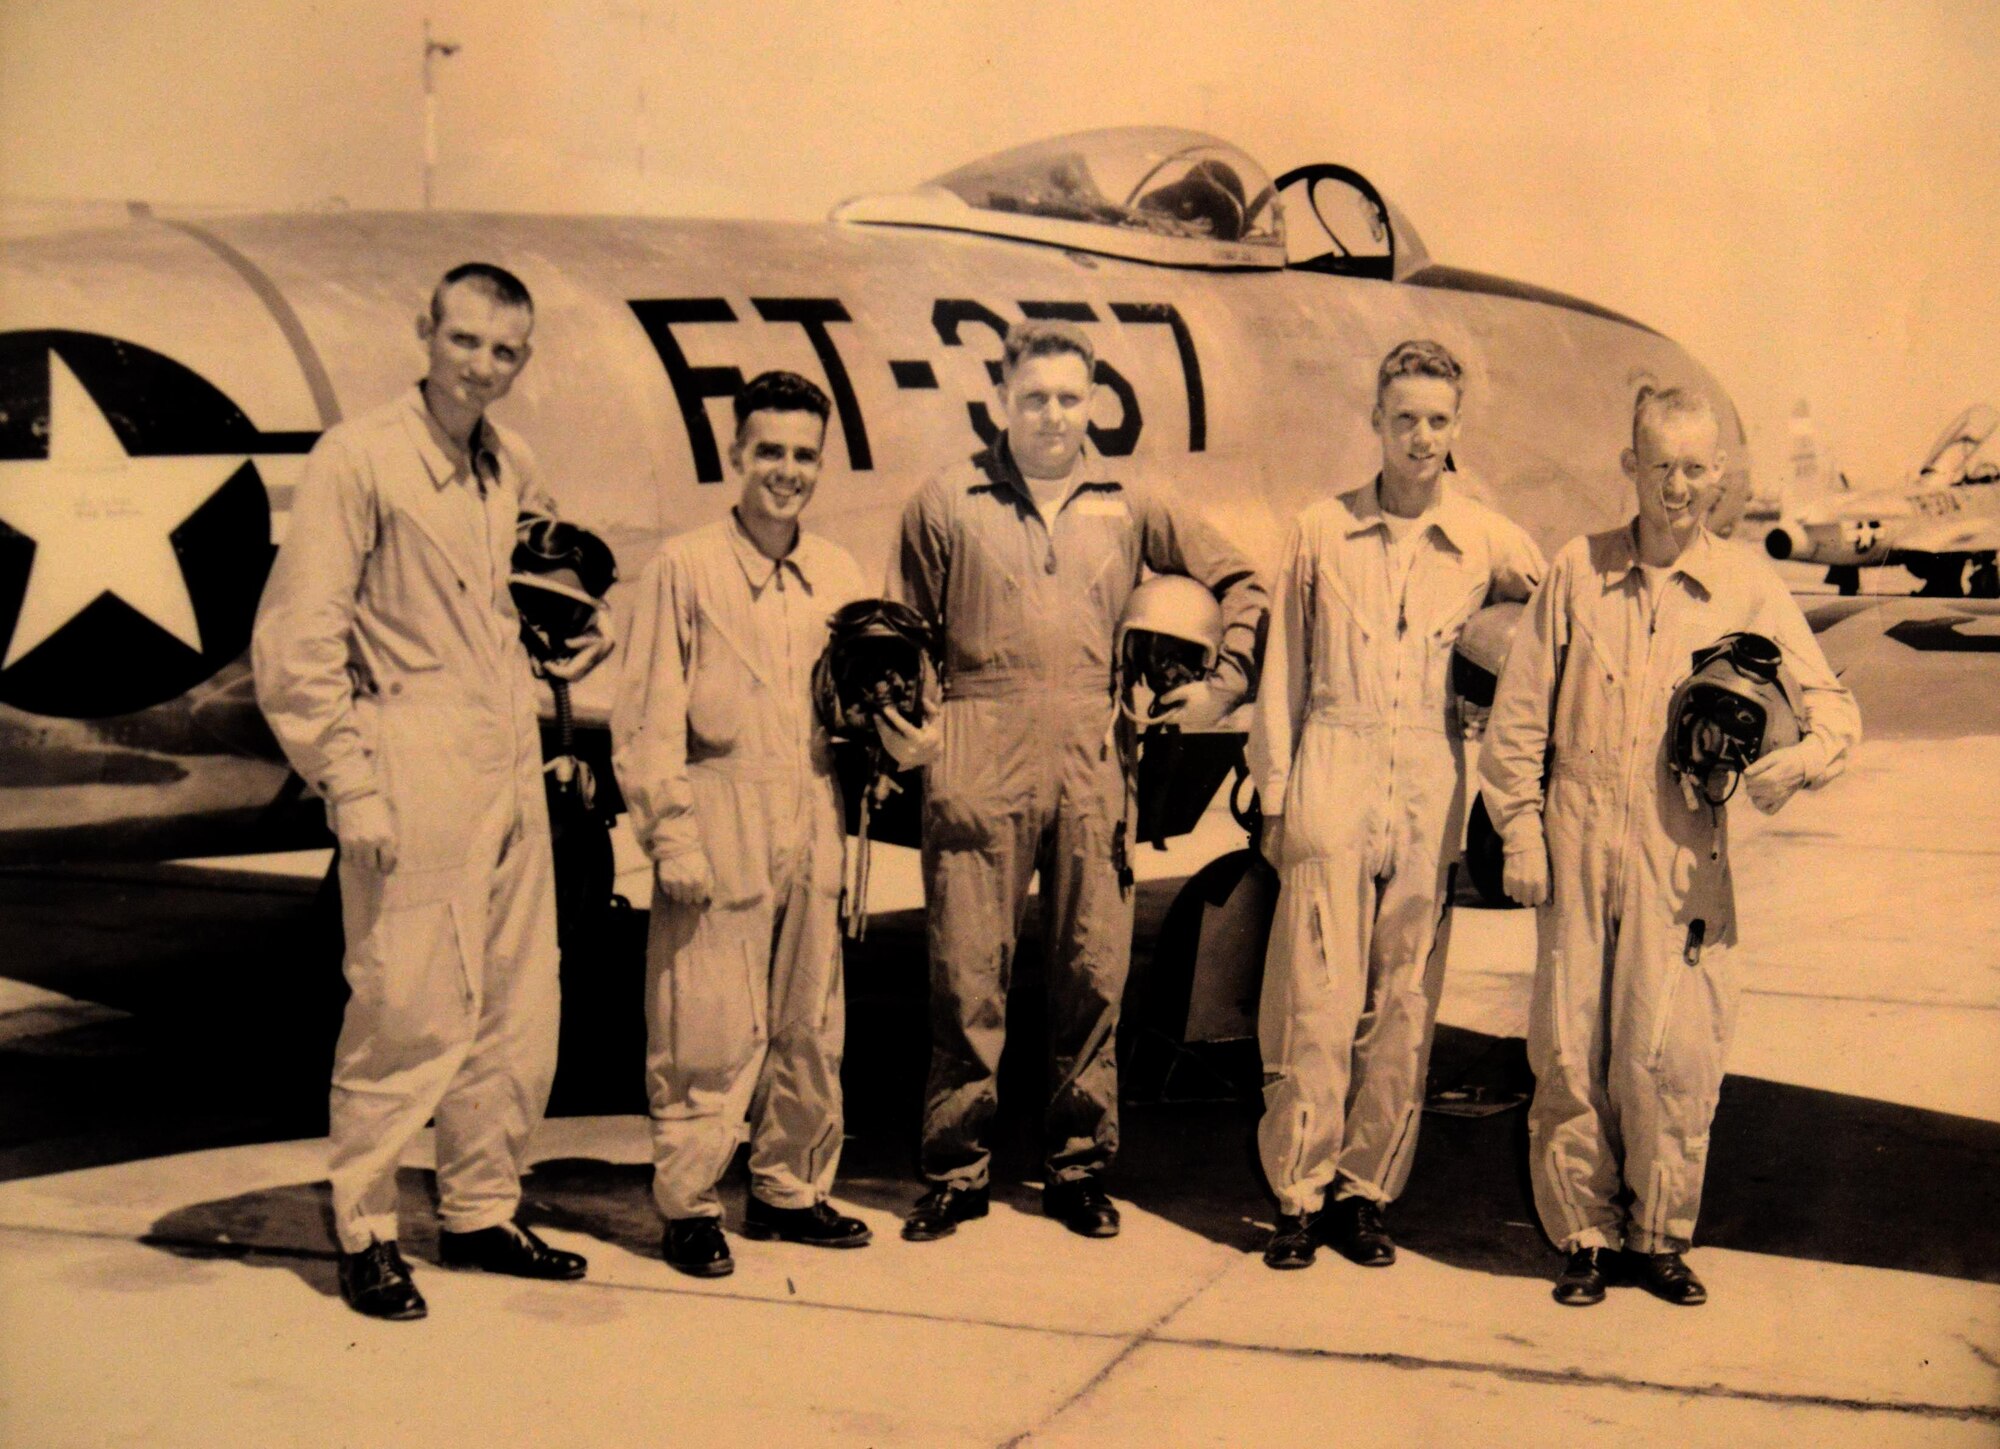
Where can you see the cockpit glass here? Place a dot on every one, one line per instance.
(1159, 181)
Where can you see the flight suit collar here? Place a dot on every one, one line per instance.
(1699, 562)
(759, 567)
(1000, 473)
(1450, 515)
(442, 457)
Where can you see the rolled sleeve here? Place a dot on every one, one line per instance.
(1518, 565)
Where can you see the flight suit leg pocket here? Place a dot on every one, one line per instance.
(412, 975)
(715, 1018)
(1696, 1010)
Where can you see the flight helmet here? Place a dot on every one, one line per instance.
(1170, 635)
(1481, 650)
(878, 653)
(560, 575)
(1734, 707)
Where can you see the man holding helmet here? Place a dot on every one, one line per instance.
(1612, 826)
(727, 778)
(1024, 557)
(1360, 765)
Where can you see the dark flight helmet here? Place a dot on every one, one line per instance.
(1734, 707)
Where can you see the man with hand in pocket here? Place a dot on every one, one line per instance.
(388, 660)
(729, 781)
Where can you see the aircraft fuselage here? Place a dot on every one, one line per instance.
(204, 357)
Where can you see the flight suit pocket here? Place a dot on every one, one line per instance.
(725, 683)
(988, 607)
(735, 836)
(413, 973)
(414, 577)
(715, 1016)
(1663, 1029)
(1465, 588)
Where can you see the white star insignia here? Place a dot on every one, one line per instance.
(101, 520)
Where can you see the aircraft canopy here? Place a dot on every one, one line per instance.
(1151, 193)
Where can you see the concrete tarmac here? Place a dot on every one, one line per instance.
(166, 1273)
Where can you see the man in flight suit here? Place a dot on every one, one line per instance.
(729, 781)
(1023, 557)
(1358, 755)
(389, 663)
(1635, 986)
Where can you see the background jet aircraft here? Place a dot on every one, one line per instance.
(1943, 526)
(161, 378)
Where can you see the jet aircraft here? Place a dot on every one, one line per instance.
(1943, 526)
(162, 376)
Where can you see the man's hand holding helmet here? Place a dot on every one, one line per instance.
(1775, 778)
(583, 652)
(1200, 704)
(1168, 640)
(560, 576)
(367, 832)
(910, 746)
(685, 877)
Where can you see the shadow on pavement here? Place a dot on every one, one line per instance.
(217, 1000)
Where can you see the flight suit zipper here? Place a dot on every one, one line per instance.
(1396, 705)
(1634, 723)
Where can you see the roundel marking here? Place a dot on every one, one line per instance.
(135, 531)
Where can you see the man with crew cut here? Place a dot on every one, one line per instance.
(1023, 557)
(1359, 759)
(388, 660)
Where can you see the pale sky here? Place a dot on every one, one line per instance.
(1804, 195)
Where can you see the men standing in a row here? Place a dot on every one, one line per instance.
(730, 787)
(1635, 985)
(1023, 557)
(1359, 760)
(388, 660)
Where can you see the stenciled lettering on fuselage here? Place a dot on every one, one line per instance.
(668, 320)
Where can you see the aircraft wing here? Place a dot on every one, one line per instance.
(1959, 534)
(1920, 668)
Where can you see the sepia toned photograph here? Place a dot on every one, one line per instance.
(999, 723)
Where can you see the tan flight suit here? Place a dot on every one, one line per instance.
(388, 661)
(1635, 982)
(718, 752)
(1029, 778)
(1356, 738)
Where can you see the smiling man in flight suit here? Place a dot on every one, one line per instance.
(729, 781)
(1636, 983)
(389, 663)
(1023, 557)
(1360, 763)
